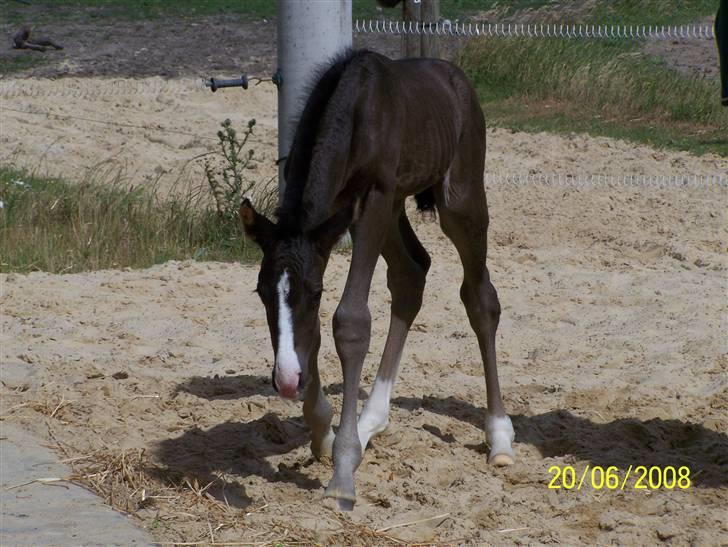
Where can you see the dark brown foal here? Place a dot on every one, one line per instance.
(373, 132)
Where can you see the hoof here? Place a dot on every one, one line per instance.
(345, 497)
(366, 436)
(501, 460)
(499, 434)
(345, 505)
(323, 450)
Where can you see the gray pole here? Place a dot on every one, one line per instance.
(310, 32)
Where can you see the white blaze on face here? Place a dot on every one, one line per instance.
(288, 370)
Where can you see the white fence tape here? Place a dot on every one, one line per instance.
(531, 30)
(495, 180)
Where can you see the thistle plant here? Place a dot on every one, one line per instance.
(227, 174)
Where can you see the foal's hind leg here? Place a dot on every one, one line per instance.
(464, 219)
(407, 265)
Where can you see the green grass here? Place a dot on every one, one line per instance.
(567, 117)
(110, 10)
(463, 8)
(612, 12)
(26, 61)
(655, 12)
(601, 87)
(52, 225)
(52, 10)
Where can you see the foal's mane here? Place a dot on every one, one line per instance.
(294, 213)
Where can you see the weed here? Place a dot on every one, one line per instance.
(227, 177)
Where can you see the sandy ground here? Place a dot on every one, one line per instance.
(150, 130)
(611, 352)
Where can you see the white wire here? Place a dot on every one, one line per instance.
(537, 30)
(604, 180)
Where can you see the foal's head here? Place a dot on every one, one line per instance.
(290, 284)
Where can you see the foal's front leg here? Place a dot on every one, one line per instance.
(317, 410)
(352, 330)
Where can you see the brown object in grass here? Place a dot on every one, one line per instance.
(22, 40)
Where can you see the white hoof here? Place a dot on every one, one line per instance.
(499, 434)
(367, 431)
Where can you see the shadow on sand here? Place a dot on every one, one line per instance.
(241, 448)
(622, 442)
(241, 386)
(227, 387)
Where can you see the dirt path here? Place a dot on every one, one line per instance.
(201, 47)
(611, 349)
(97, 45)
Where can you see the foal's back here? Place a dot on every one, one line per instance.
(429, 105)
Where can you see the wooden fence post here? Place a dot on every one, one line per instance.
(411, 42)
(430, 14)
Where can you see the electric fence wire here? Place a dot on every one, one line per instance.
(492, 180)
(536, 30)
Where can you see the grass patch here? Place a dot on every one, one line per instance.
(55, 226)
(603, 87)
(463, 8)
(51, 11)
(567, 117)
(17, 63)
(652, 12)
(100, 10)
(111, 10)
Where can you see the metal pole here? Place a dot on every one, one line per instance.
(309, 34)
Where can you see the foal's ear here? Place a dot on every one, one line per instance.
(257, 227)
(328, 234)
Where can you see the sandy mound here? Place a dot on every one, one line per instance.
(151, 129)
(157, 127)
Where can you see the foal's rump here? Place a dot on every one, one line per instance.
(443, 117)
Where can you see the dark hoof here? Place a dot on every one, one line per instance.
(345, 497)
(345, 505)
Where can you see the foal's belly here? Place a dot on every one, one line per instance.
(429, 142)
(425, 162)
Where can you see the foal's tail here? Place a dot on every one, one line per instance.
(426, 200)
